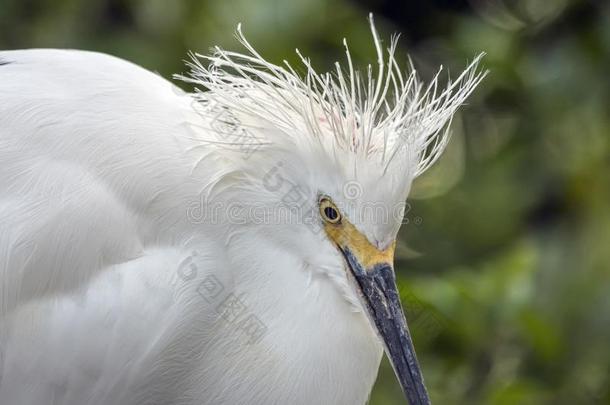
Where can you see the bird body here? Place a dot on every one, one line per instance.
(94, 221)
(215, 247)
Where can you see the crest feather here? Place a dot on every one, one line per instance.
(381, 112)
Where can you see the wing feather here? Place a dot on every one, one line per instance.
(94, 167)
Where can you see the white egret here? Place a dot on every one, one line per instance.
(219, 247)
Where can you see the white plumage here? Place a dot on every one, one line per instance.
(132, 214)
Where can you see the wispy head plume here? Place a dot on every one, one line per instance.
(381, 113)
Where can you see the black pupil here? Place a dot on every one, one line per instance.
(331, 213)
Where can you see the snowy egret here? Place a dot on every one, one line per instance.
(233, 245)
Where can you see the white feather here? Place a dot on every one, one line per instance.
(113, 182)
(378, 117)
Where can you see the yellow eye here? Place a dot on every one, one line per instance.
(329, 211)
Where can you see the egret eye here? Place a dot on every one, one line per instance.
(329, 211)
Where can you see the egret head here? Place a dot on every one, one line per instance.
(339, 152)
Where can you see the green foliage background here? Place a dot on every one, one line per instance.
(504, 266)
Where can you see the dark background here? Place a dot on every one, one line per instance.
(504, 266)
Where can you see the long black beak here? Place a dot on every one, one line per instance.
(380, 296)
